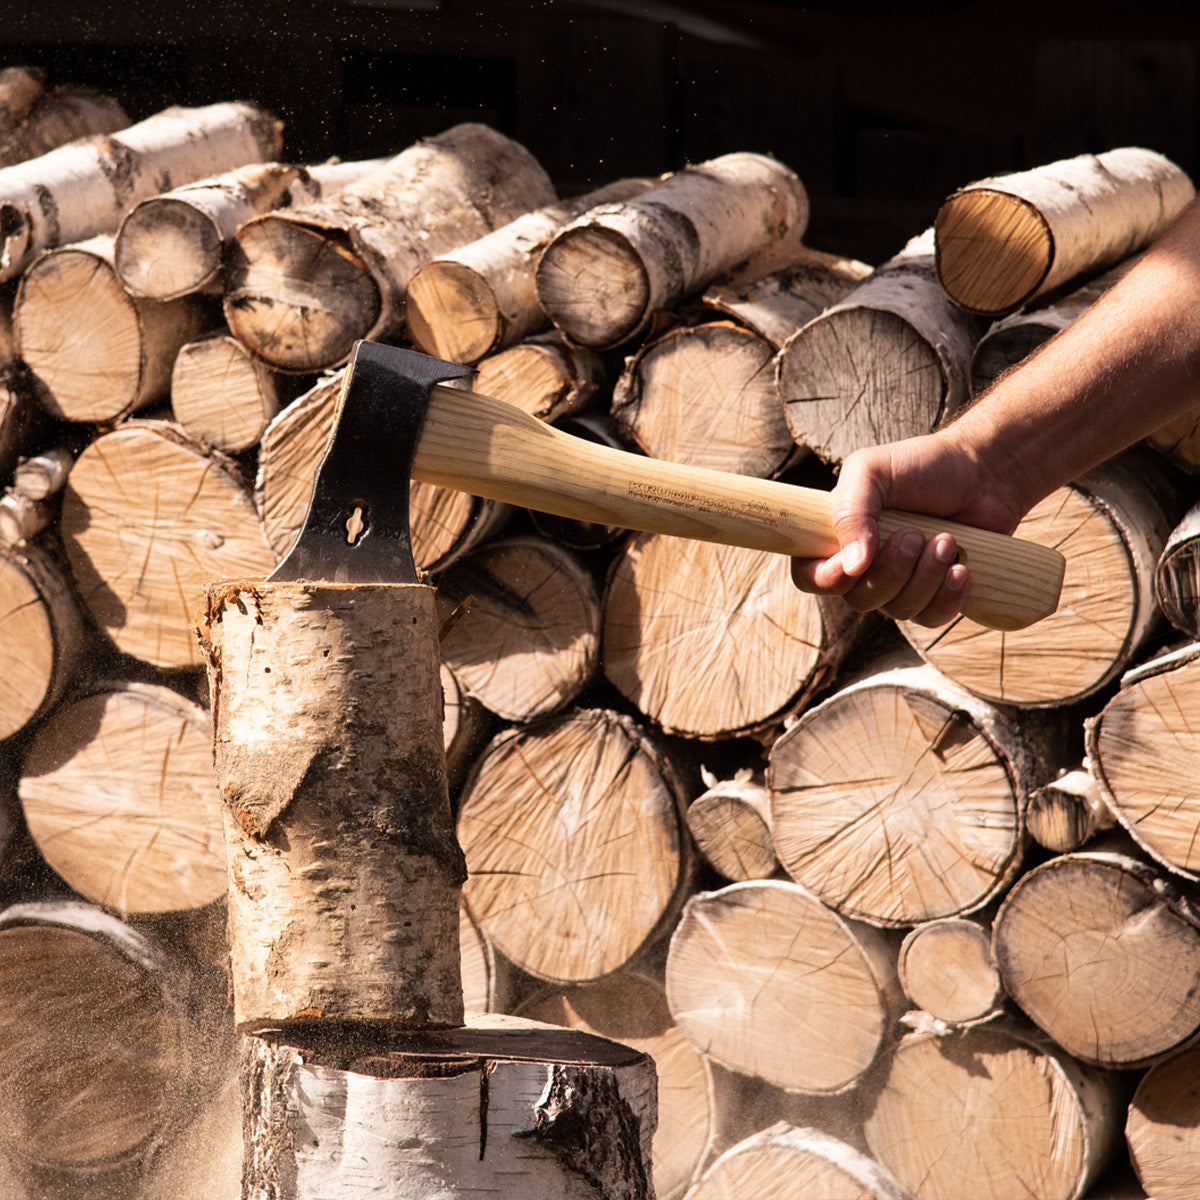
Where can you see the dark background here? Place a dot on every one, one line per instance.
(882, 108)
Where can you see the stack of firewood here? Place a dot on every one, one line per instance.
(897, 912)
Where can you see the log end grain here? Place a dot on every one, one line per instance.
(167, 248)
(451, 312)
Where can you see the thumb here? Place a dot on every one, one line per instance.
(856, 504)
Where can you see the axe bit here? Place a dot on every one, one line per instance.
(473, 443)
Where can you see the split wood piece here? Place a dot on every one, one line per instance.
(1015, 337)
(544, 375)
(1023, 1118)
(1004, 240)
(303, 284)
(786, 1160)
(889, 361)
(766, 980)
(706, 394)
(84, 188)
(1111, 525)
(1101, 951)
(730, 823)
(1141, 747)
(527, 640)
(43, 475)
(444, 524)
(344, 874)
(118, 793)
(149, 518)
(1162, 1127)
(501, 1106)
(631, 1008)
(1068, 812)
(223, 396)
(475, 300)
(898, 799)
(110, 1046)
(602, 279)
(575, 843)
(99, 353)
(173, 244)
(711, 641)
(947, 970)
(1177, 574)
(465, 728)
(56, 117)
(42, 636)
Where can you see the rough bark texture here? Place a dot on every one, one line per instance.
(344, 876)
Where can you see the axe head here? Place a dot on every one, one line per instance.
(356, 529)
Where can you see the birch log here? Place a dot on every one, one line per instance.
(20, 90)
(631, 1008)
(344, 877)
(174, 244)
(98, 353)
(671, 604)
(1004, 240)
(602, 279)
(1141, 747)
(767, 981)
(1177, 574)
(802, 1163)
(1101, 951)
(1066, 813)
(1111, 524)
(302, 285)
(1163, 1127)
(117, 792)
(149, 518)
(730, 822)
(498, 1107)
(574, 837)
(92, 184)
(947, 970)
(544, 375)
(1023, 1119)
(480, 298)
(898, 799)
(52, 118)
(528, 641)
(889, 361)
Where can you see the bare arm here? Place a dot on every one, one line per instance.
(1128, 365)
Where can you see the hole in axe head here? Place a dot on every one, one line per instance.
(357, 524)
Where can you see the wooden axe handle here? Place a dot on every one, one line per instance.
(491, 448)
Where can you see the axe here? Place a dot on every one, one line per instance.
(397, 417)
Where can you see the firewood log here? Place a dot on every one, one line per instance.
(1177, 574)
(475, 300)
(898, 799)
(544, 375)
(1101, 951)
(672, 603)
(1004, 240)
(1162, 1127)
(42, 475)
(21, 518)
(528, 640)
(889, 361)
(1066, 813)
(576, 849)
(602, 279)
(444, 524)
(806, 1164)
(730, 823)
(42, 635)
(1179, 441)
(98, 353)
(1111, 524)
(501, 1106)
(303, 284)
(1140, 749)
(767, 981)
(947, 970)
(24, 421)
(111, 1043)
(83, 189)
(223, 396)
(149, 518)
(173, 244)
(1021, 1117)
(118, 794)
(465, 723)
(34, 122)
(631, 1008)
(490, 983)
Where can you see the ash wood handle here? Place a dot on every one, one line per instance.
(491, 448)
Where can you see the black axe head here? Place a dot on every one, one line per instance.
(356, 530)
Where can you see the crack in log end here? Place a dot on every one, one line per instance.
(583, 1119)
